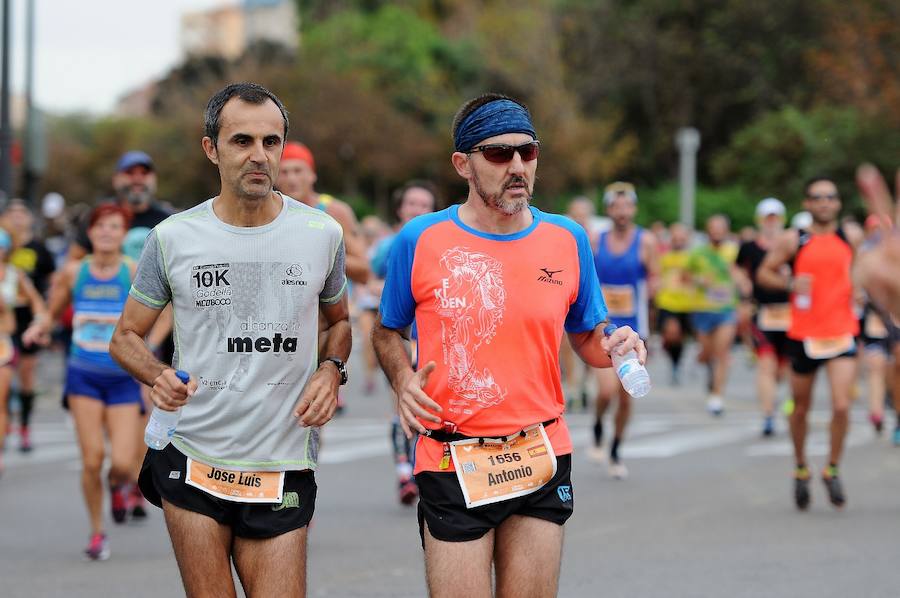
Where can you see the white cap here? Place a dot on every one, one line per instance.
(53, 205)
(768, 207)
(801, 220)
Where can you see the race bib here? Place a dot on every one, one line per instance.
(720, 294)
(494, 471)
(874, 326)
(826, 348)
(236, 486)
(93, 331)
(774, 317)
(7, 350)
(619, 300)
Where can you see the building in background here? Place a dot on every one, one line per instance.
(227, 31)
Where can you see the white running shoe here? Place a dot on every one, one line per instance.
(617, 470)
(597, 454)
(714, 405)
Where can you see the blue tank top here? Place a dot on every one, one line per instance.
(623, 280)
(97, 305)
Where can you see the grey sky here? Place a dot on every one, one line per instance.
(90, 52)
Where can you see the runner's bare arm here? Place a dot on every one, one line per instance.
(161, 329)
(59, 297)
(318, 401)
(128, 348)
(879, 269)
(411, 401)
(650, 257)
(35, 301)
(356, 264)
(742, 279)
(593, 347)
(771, 273)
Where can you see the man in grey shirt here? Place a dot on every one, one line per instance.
(246, 273)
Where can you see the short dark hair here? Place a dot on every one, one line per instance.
(476, 103)
(252, 93)
(400, 192)
(817, 179)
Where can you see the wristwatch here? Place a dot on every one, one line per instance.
(341, 368)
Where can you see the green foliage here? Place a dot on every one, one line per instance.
(397, 53)
(780, 90)
(779, 151)
(662, 203)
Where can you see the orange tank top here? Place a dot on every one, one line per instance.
(827, 258)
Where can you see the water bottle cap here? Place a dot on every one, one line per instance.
(610, 328)
(183, 376)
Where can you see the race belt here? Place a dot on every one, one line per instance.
(491, 470)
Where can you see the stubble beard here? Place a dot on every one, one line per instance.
(137, 195)
(495, 200)
(252, 193)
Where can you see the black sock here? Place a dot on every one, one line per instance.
(674, 350)
(614, 450)
(598, 432)
(27, 401)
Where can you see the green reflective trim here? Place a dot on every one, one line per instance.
(144, 298)
(336, 297)
(289, 465)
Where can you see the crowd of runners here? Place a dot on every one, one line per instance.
(254, 291)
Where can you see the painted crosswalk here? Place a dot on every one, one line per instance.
(661, 436)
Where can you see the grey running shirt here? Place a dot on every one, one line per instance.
(246, 305)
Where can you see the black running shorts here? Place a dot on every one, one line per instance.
(802, 364)
(443, 507)
(162, 477)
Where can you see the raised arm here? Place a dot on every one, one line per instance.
(772, 273)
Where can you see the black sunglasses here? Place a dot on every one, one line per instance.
(501, 153)
(818, 196)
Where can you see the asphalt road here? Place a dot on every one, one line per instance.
(706, 511)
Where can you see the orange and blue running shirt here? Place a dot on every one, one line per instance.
(827, 258)
(490, 311)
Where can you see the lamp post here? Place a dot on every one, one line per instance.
(5, 128)
(688, 141)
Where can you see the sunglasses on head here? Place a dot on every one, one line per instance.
(500, 153)
(818, 196)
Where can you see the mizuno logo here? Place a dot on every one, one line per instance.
(548, 276)
(550, 273)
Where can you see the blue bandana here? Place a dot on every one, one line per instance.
(494, 118)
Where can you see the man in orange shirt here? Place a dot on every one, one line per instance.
(297, 179)
(492, 284)
(823, 324)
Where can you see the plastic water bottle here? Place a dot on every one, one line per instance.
(162, 423)
(634, 376)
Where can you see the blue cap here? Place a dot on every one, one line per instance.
(610, 328)
(134, 158)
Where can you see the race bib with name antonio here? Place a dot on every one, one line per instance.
(493, 471)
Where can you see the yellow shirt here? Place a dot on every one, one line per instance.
(676, 293)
